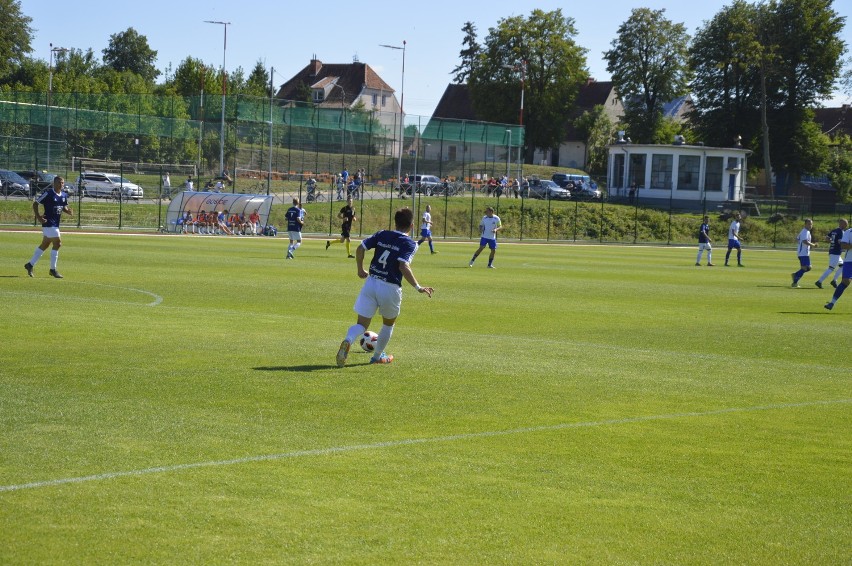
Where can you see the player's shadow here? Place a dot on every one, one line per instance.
(297, 369)
(307, 368)
(824, 312)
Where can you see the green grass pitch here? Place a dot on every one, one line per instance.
(176, 400)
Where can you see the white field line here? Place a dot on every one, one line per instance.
(413, 441)
(157, 298)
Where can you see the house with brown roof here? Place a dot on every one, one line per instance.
(345, 86)
(456, 104)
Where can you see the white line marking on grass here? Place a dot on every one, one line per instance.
(157, 298)
(412, 442)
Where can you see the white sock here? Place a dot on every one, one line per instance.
(382, 342)
(825, 274)
(36, 256)
(355, 331)
(54, 256)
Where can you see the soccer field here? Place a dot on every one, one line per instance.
(175, 399)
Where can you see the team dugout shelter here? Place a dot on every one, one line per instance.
(195, 202)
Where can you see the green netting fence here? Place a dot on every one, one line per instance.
(264, 138)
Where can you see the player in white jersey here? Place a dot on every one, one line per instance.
(846, 248)
(734, 240)
(488, 228)
(804, 251)
(426, 228)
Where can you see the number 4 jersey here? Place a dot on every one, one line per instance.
(391, 248)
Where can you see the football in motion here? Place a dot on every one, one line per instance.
(368, 341)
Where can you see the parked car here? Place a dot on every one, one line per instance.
(568, 180)
(544, 189)
(106, 185)
(38, 180)
(425, 184)
(12, 184)
(586, 191)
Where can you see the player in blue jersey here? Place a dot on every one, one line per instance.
(734, 240)
(382, 290)
(805, 244)
(426, 229)
(835, 262)
(704, 242)
(295, 220)
(488, 228)
(55, 202)
(846, 250)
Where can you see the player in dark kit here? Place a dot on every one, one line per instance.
(295, 220)
(347, 214)
(382, 290)
(835, 261)
(55, 202)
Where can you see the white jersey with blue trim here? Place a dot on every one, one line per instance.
(488, 227)
(391, 247)
(804, 236)
(734, 230)
(847, 239)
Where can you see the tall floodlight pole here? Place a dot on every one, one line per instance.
(401, 119)
(508, 153)
(224, 90)
(50, 95)
(271, 98)
(522, 66)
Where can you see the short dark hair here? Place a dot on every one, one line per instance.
(403, 218)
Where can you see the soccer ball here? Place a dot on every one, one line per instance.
(368, 341)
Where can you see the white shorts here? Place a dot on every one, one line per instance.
(294, 235)
(50, 231)
(378, 295)
(704, 246)
(835, 260)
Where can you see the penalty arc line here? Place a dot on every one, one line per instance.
(411, 442)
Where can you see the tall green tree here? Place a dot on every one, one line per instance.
(555, 69)
(129, 51)
(758, 71)
(15, 38)
(649, 64)
(726, 77)
(257, 83)
(468, 54)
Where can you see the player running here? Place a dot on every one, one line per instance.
(835, 262)
(382, 290)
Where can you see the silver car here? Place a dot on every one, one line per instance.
(106, 185)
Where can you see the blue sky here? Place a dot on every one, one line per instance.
(286, 35)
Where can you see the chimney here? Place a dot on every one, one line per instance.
(315, 65)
